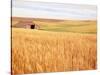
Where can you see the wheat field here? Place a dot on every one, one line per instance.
(36, 51)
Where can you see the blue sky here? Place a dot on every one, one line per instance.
(53, 10)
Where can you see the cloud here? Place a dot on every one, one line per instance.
(54, 10)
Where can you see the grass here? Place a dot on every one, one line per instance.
(69, 26)
(36, 51)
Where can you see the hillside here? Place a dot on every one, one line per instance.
(76, 26)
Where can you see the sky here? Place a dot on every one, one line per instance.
(36, 9)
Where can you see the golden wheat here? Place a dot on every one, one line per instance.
(35, 51)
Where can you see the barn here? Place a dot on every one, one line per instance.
(26, 24)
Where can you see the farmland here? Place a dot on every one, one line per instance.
(75, 26)
(57, 46)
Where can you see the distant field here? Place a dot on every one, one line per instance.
(74, 26)
(69, 26)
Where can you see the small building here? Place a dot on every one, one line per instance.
(26, 24)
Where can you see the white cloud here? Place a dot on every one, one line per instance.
(53, 10)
